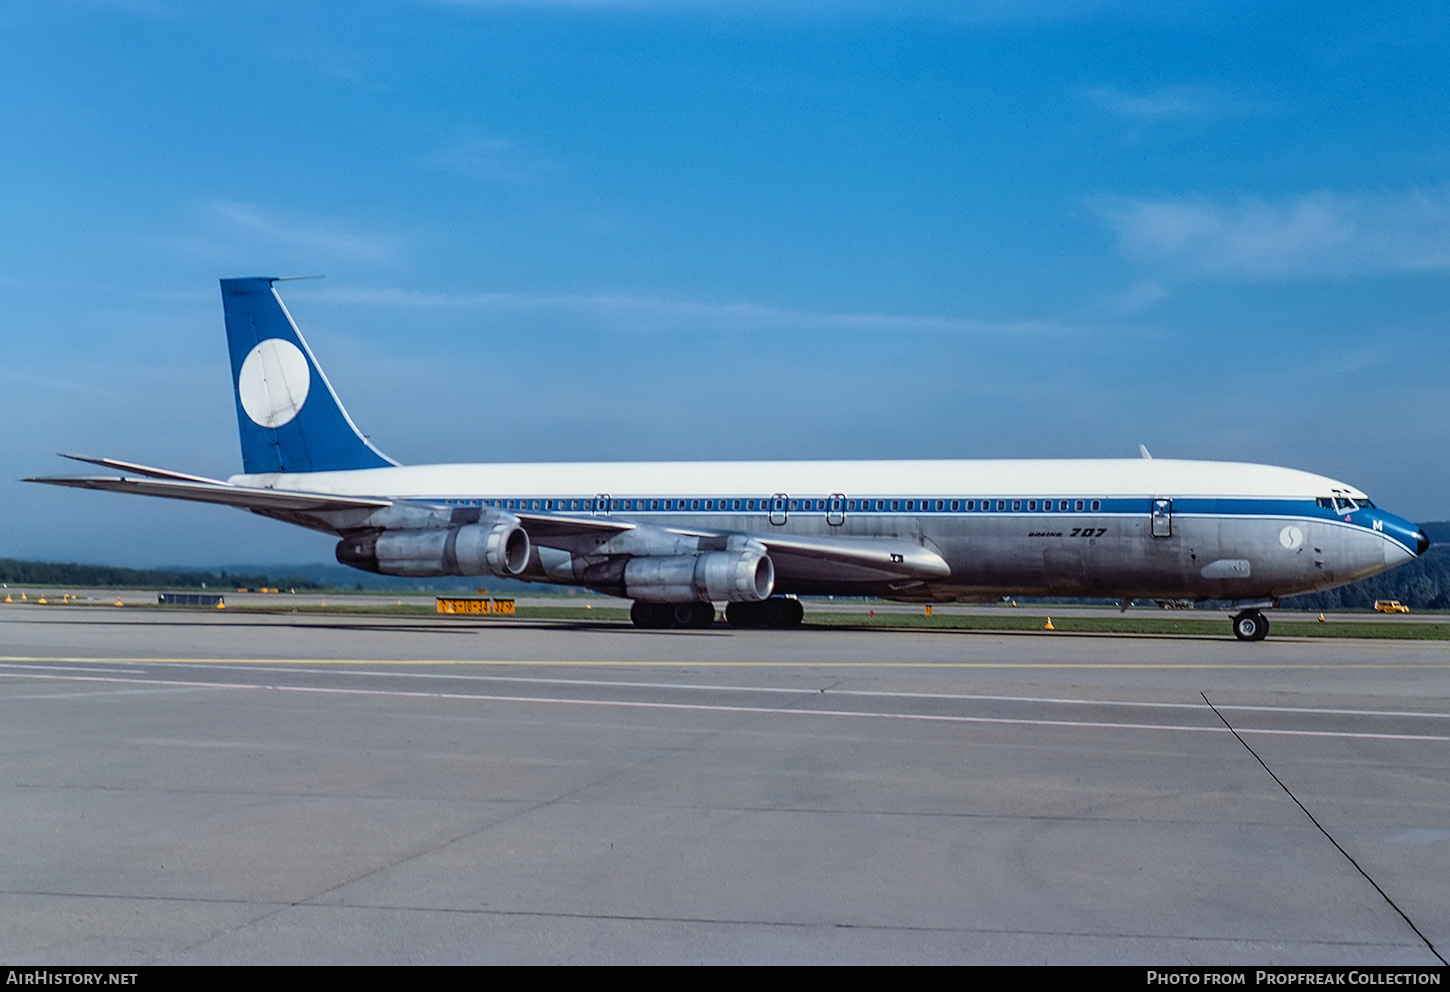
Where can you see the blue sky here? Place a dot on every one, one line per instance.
(648, 230)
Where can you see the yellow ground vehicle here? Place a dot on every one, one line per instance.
(1390, 606)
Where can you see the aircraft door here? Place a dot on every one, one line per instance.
(836, 510)
(601, 505)
(777, 509)
(1162, 518)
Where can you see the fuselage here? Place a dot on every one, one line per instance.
(1121, 528)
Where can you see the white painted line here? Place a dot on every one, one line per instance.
(717, 708)
(788, 690)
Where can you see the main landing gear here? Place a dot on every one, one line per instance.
(657, 616)
(1250, 625)
(777, 611)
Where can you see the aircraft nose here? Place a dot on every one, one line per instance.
(1422, 542)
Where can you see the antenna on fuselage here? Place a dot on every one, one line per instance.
(1143, 452)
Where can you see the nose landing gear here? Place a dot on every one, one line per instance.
(1250, 625)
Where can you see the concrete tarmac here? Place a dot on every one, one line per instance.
(218, 788)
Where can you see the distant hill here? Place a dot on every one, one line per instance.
(309, 577)
(1423, 584)
(1439, 531)
(44, 573)
(341, 577)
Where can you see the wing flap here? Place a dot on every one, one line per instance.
(136, 469)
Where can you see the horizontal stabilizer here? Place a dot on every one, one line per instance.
(209, 491)
(156, 473)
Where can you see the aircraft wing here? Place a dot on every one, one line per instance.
(852, 559)
(797, 556)
(543, 526)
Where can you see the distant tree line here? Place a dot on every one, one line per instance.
(44, 573)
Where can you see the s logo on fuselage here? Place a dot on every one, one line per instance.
(1291, 537)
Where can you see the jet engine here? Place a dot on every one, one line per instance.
(733, 576)
(497, 546)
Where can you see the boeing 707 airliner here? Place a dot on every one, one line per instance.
(678, 538)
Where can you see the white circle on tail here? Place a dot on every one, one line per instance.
(1291, 537)
(273, 383)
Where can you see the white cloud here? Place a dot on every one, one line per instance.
(967, 11)
(1173, 102)
(235, 228)
(1309, 236)
(738, 315)
(1139, 297)
(494, 159)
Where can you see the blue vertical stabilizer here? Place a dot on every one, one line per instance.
(289, 417)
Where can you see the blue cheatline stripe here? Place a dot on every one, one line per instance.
(1391, 528)
(897, 505)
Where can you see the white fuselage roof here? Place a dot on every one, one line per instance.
(1106, 478)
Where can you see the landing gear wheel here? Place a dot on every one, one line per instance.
(1250, 626)
(745, 614)
(782, 612)
(650, 616)
(697, 616)
(658, 616)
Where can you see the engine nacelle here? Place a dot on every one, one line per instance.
(498, 546)
(732, 576)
